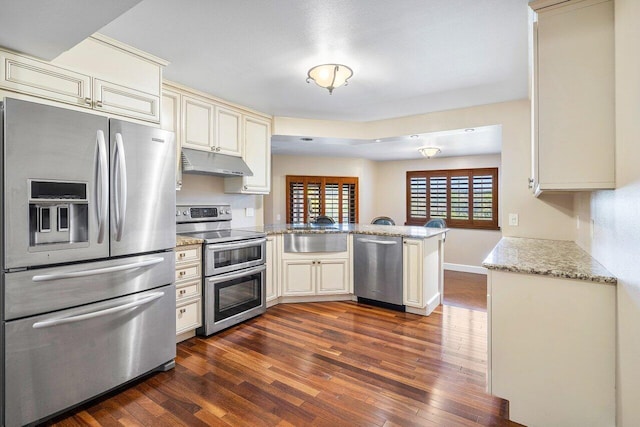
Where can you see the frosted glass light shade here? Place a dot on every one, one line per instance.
(330, 76)
(429, 152)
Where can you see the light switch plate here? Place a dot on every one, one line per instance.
(513, 219)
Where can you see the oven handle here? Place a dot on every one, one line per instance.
(72, 319)
(96, 271)
(238, 245)
(237, 274)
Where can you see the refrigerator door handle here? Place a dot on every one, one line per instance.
(95, 272)
(72, 319)
(102, 191)
(120, 186)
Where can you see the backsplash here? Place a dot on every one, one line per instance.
(203, 189)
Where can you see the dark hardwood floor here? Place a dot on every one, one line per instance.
(465, 290)
(319, 364)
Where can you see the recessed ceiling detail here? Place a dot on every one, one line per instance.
(457, 142)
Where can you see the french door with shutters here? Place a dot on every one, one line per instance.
(311, 196)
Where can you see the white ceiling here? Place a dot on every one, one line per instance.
(460, 142)
(45, 29)
(408, 56)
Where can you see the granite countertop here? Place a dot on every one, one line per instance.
(187, 240)
(557, 258)
(380, 230)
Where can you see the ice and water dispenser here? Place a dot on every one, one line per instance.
(58, 213)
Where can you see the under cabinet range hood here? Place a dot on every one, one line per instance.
(204, 163)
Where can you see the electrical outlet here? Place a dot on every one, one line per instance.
(513, 219)
(278, 217)
(592, 227)
(248, 211)
(578, 222)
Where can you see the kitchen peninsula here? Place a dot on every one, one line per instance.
(328, 275)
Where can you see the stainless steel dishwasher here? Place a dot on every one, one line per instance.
(377, 267)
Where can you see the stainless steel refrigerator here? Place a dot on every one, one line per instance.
(87, 234)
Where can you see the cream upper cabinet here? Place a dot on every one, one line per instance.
(573, 103)
(228, 131)
(197, 123)
(170, 120)
(99, 73)
(209, 125)
(257, 155)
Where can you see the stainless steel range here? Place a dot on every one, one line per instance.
(234, 266)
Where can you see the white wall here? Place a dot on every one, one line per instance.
(616, 236)
(463, 246)
(281, 166)
(203, 189)
(550, 217)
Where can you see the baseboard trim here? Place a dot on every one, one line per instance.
(465, 268)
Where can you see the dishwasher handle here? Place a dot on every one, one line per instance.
(378, 242)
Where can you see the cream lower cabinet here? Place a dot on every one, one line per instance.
(315, 276)
(552, 349)
(272, 288)
(188, 290)
(421, 272)
(99, 74)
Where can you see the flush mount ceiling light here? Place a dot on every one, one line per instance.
(429, 152)
(330, 76)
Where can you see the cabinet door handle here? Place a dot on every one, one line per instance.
(99, 104)
(181, 255)
(87, 101)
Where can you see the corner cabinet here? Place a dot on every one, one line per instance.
(202, 122)
(573, 123)
(421, 274)
(98, 74)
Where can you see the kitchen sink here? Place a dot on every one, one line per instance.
(315, 242)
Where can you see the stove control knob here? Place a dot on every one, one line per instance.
(185, 213)
(227, 211)
(177, 213)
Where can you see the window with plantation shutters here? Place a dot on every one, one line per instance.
(464, 198)
(310, 196)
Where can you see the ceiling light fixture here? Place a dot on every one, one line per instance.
(429, 152)
(330, 76)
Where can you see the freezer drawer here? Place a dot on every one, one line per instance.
(57, 360)
(43, 290)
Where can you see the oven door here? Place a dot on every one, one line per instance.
(232, 298)
(225, 257)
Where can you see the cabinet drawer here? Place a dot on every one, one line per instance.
(188, 272)
(188, 290)
(188, 254)
(188, 316)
